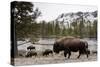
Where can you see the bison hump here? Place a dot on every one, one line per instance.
(65, 38)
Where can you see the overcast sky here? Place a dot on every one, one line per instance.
(51, 11)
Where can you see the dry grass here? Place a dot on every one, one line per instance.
(53, 59)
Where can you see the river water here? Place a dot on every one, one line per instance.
(43, 44)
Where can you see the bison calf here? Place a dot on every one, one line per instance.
(31, 53)
(30, 48)
(47, 52)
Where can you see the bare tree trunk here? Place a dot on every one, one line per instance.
(14, 50)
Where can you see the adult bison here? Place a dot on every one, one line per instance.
(68, 44)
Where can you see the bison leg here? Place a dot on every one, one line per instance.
(52, 53)
(65, 53)
(87, 55)
(87, 52)
(69, 54)
(35, 55)
(46, 54)
(79, 54)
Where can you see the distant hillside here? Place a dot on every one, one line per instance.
(72, 17)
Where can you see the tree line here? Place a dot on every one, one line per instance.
(25, 16)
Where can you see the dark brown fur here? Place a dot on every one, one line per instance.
(30, 47)
(31, 53)
(47, 52)
(70, 44)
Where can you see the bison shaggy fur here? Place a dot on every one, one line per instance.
(68, 44)
(47, 52)
(31, 53)
(30, 47)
